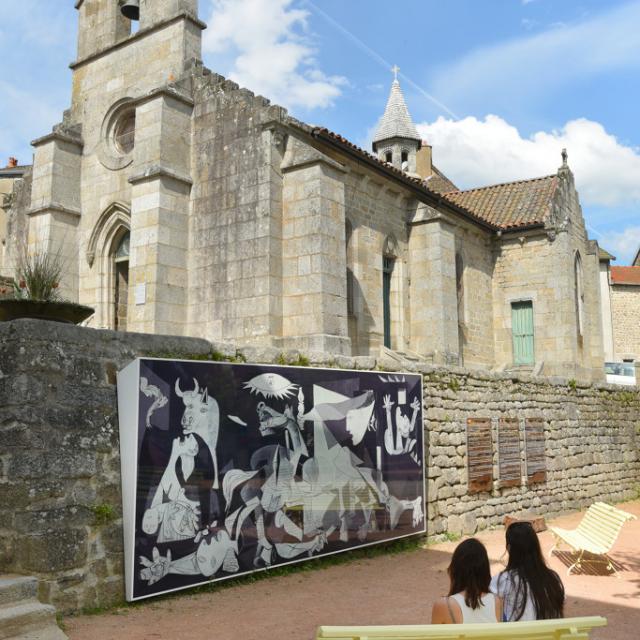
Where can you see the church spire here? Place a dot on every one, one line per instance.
(397, 140)
(396, 121)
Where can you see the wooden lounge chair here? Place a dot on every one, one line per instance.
(560, 629)
(597, 532)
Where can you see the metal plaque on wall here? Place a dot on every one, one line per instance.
(509, 463)
(233, 468)
(479, 455)
(536, 458)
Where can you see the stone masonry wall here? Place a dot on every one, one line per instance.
(475, 317)
(235, 269)
(592, 441)
(60, 501)
(625, 311)
(377, 215)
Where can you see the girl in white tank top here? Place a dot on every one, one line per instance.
(486, 612)
(469, 599)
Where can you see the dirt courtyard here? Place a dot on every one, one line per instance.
(388, 589)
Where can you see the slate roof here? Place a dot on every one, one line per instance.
(603, 255)
(625, 275)
(636, 260)
(396, 121)
(14, 172)
(510, 205)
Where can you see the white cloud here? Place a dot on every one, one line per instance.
(37, 41)
(477, 152)
(40, 23)
(623, 244)
(33, 117)
(267, 48)
(531, 66)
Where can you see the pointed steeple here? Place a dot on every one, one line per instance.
(396, 140)
(396, 121)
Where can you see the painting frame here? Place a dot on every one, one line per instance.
(391, 474)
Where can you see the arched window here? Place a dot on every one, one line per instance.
(388, 157)
(460, 301)
(579, 295)
(389, 255)
(404, 160)
(348, 235)
(460, 287)
(121, 281)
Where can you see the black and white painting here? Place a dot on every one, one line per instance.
(233, 468)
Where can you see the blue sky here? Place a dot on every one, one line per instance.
(498, 87)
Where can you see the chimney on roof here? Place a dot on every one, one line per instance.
(13, 162)
(424, 166)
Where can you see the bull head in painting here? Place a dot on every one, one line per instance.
(202, 417)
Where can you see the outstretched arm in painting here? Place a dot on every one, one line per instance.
(393, 448)
(151, 391)
(415, 405)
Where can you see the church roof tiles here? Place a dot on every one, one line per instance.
(510, 205)
(438, 182)
(507, 206)
(426, 186)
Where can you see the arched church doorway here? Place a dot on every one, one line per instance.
(121, 281)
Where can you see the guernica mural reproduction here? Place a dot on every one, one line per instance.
(232, 468)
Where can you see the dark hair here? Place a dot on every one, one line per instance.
(526, 562)
(469, 572)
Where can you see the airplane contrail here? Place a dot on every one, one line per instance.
(377, 57)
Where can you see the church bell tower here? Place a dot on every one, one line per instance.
(396, 140)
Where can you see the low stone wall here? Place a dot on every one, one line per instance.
(60, 500)
(592, 440)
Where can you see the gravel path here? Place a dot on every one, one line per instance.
(392, 589)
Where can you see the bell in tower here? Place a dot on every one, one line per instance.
(130, 9)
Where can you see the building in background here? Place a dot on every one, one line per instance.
(620, 293)
(605, 304)
(625, 313)
(185, 204)
(10, 177)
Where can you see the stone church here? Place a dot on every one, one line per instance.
(184, 204)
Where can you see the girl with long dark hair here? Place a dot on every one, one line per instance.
(530, 590)
(469, 598)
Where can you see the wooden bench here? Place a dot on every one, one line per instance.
(597, 532)
(561, 629)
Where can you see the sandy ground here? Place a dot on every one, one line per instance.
(390, 589)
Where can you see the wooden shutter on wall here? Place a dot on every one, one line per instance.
(522, 332)
(536, 460)
(479, 455)
(509, 463)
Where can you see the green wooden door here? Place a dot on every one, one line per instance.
(522, 331)
(387, 271)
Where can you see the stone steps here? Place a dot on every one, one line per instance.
(22, 616)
